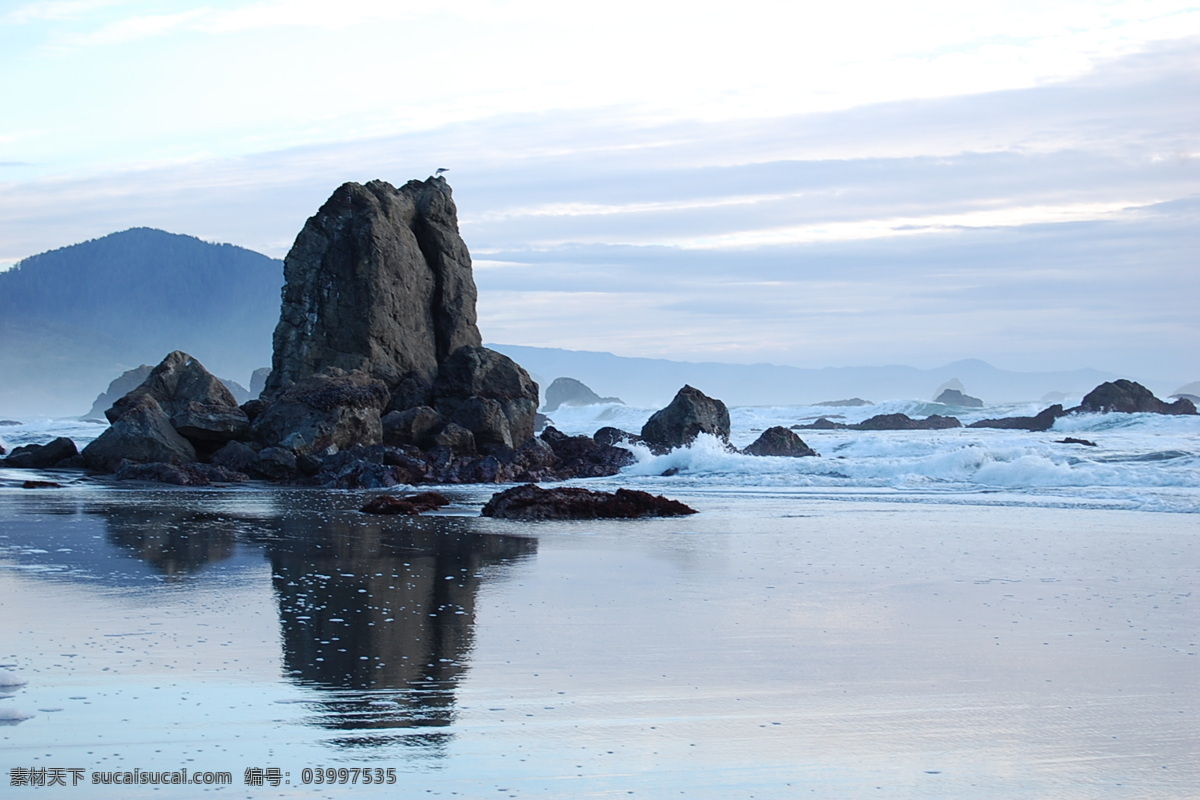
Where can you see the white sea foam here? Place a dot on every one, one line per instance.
(1141, 461)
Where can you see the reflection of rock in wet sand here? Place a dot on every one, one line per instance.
(383, 616)
(173, 541)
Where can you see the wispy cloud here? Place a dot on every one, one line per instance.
(1043, 227)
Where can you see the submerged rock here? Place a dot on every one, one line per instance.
(407, 506)
(531, 502)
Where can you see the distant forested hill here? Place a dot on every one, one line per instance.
(73, 319)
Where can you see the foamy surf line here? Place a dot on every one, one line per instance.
(1146, 462)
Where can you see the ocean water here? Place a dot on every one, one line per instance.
(1141, 461)
(1144, 462)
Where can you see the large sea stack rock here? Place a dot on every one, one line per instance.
(1130, 398)
(379, 280)
(690, 414)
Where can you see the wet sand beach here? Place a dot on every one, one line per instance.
(776, 644)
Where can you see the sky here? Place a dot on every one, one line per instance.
(803, 183)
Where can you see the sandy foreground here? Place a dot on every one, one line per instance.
(773, 645)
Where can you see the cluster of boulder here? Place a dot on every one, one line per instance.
(378, 377)
(1122, 396)
(692, 413)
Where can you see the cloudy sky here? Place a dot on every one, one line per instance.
(803, 183)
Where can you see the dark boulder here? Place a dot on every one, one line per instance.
(955, 397)
(1127, 397)
(689, 414)
(822, 424)
(616, 436)
(415, 426)
(455, 438)
(489, 394)
(779, 441)
(191, 474)
(1073, 440)
(373, 467)
(331, 411)
(531, 502)
(199, 406)
(903, 422)
(274, 464)
(1042, 421)
(236, 456)
(142, 433)
(571, 392)
(378, 280)
(584, 457)
(41, 456)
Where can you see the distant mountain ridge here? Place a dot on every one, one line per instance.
(650, 383)
(73, 319)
